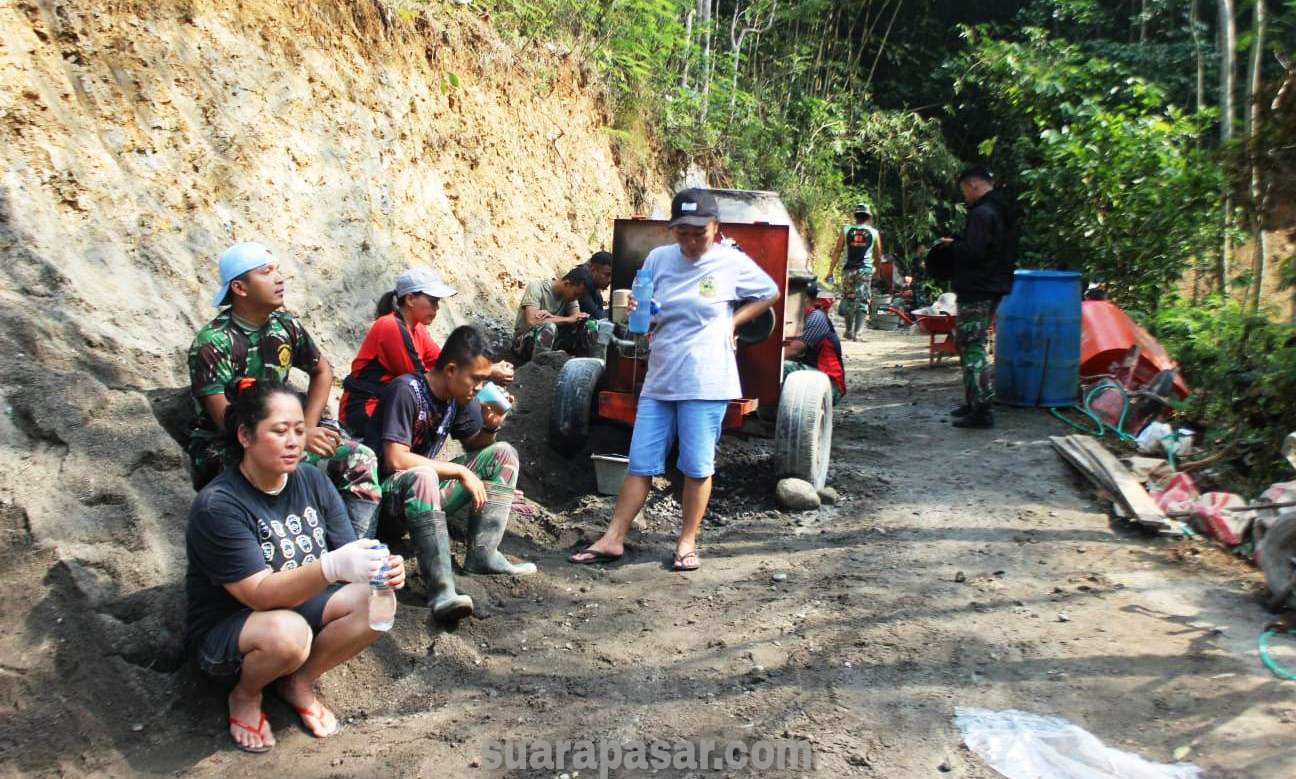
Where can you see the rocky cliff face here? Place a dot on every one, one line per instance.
(137, 140)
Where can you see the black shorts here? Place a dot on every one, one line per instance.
(218, 653)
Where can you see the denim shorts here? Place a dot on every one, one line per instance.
(696, 423)
(218, 653)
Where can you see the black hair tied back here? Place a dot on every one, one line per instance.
(249, 403)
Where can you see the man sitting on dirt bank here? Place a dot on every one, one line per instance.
(549, 317)
(415, 415)
(599, 266)
(818, 347)
(254, 337)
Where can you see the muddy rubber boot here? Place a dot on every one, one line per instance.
(432, 542)
(977, 420)
(485, 532)
(363, 515)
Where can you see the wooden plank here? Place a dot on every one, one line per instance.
(1129, 490)
(1107, 473)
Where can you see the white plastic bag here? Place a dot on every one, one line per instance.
(1152, 438)
(1021, 745)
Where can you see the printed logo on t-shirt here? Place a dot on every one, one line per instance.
(267, 550)
(304, 544)
(707, 287)
(286, 546)
(294, 524)
(278, 527)
(312, 518)
(308, 559)
(319, 536)
(289, 566)
(263, 530)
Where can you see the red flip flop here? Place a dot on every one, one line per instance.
(306, 712)
(257, 730)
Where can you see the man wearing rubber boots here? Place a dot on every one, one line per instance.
(415, 415)
(253, 336)
(983, 261)
(861, 242)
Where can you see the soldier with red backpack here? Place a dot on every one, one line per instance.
(860, 242)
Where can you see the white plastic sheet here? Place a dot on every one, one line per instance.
(1021, 745)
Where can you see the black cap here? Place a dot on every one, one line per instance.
(694, 207)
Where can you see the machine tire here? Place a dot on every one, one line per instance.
(803, 430)
(1277, 549)
(573, 403)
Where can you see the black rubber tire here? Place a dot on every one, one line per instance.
(803, 430)
(573, 404)
(1277, 549)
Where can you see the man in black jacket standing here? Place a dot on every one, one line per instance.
(983, 263)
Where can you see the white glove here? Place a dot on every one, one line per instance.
(358, 561)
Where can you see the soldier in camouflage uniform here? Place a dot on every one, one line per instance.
(253, 336)
(984, 259)
(860, 242)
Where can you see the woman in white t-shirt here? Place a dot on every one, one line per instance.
(692, 369)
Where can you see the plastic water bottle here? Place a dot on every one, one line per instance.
(642, 290)
(382, 601)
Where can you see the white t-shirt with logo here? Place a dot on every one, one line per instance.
(691, 357)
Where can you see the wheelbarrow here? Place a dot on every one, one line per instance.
(938, 325)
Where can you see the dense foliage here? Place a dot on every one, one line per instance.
(1143, 140)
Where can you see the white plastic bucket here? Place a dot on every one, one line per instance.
(609, 472)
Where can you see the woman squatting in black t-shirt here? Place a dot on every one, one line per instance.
(271, 552)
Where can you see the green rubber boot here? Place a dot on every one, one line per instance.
(432, 540)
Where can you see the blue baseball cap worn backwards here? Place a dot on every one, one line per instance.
(237, 260)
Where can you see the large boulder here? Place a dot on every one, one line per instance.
(796, 495)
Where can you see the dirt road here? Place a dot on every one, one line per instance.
(959, 569)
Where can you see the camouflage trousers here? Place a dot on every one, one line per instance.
(577, 339)
(353, 468)
(856, 292)
(409, 496)
(970, 336)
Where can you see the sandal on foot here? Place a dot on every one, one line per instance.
(595, 556)
(308, 712)
(257, 730)
(689, 561)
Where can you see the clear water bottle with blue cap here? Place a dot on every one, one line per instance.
(382, 601)
(642, 290)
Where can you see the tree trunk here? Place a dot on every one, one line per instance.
(704, 26)
(1253, 154)
(881, 46)
(688, 48)
(1194, 28)
(1228, 54)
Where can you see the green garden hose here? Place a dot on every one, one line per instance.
(1086, 410)
(1262, 645)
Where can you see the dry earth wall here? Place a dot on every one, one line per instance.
(138, 139)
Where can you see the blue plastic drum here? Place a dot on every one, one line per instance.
(1037, 340)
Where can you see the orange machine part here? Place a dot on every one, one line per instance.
(1106, 335)
(622, 406)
